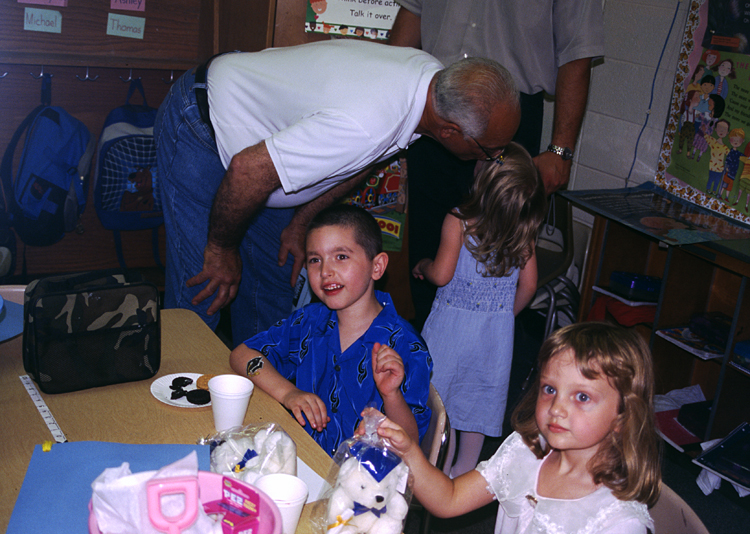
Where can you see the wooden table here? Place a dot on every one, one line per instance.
(128, 413)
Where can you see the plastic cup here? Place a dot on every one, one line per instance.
(230, 395)
(289, 493)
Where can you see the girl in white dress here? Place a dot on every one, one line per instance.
(585, 455)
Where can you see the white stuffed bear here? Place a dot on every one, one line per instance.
(367, 500)
(253, 451)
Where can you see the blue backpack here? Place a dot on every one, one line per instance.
(126, 192)
(48, 194)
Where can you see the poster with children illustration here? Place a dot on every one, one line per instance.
(367, 19)
(705, 156)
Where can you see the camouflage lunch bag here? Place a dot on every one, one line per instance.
(91, 329)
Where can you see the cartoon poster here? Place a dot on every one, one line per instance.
(705, 156)
(371, 19)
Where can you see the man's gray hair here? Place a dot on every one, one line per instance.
(467, 91)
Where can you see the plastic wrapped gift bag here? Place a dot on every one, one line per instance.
(247, 453)
(369, 492)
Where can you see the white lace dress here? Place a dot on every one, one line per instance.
(512, 474)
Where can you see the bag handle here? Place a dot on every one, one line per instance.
(136, 85)
(47, 89)
(86, 280)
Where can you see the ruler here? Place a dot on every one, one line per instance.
(49, 420)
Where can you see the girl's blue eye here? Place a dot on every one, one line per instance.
(582, 397)
(549, 390)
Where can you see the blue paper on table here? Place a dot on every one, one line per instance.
(11, 320)
(56, 491)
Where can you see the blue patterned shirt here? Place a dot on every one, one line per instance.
(306, 350)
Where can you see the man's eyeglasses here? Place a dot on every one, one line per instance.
(497, 159)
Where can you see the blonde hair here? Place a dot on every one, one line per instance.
(628, 460)
(504, 212)
(737, 132)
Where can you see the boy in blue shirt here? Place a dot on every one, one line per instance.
(329, 360)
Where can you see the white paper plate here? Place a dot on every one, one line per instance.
(161, 390)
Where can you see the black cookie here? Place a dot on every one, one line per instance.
(198, 396)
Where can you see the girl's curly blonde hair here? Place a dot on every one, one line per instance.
(504, 212)
(628, 461)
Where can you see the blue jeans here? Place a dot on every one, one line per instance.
(190, 171)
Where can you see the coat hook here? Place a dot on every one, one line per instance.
(41, 74)
(171, 77)
(130, 77)
(87, 77)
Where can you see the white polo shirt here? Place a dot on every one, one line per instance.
(326, 110)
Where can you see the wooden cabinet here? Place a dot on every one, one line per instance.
(695, 278)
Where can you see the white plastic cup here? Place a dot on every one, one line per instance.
(289, 493)
(230, 395)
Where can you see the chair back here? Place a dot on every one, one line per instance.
(435, 441)
(554, 251)
(672, 515)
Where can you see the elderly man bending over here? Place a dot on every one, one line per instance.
(250, 146)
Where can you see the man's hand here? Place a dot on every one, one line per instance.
(223, 270)
(300, 402)
(388, 369)
(293, 242)
(554, 171)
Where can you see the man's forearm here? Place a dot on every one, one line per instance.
(406, 30)
(248, 182)
(305, 213)
(571, 94)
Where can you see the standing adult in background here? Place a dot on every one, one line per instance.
(252, 145)
(547, 46)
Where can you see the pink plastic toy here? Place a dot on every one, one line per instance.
(209, 489)
(156, 488)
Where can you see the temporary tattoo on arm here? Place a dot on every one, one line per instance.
(254, 366)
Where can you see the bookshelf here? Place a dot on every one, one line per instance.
(697, 276)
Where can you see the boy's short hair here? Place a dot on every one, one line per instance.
(367, 232)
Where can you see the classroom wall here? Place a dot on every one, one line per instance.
(636, 31)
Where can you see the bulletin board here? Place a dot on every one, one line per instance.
(705, 153)
(383, 194)
(370, 19)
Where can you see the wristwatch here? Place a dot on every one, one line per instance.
(564, 152)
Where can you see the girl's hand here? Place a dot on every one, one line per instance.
(418, 270)
(400, 440)
(401, 443)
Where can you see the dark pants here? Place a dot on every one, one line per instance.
(438, 182)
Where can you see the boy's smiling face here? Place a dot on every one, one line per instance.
(341, 274)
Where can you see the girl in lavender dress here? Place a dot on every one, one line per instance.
(485, 269)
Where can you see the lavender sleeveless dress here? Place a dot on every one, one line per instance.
(469, 333)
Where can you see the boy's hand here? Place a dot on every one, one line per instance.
(301, 402)
(388, 369)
